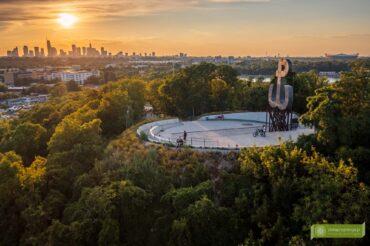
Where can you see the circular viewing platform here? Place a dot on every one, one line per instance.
(226, 131)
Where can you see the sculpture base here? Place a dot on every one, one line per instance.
(278, 120)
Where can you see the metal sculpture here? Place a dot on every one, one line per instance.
(281, 95)
(280, 99)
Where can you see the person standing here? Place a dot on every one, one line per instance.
(185, 135)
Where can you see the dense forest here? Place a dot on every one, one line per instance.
(207, 88)
(74, 172)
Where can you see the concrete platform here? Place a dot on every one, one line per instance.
(235, 131)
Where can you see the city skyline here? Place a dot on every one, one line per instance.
(75, 51)
(197, 27)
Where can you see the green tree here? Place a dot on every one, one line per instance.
(114, 112)
(93, 80)
(219, 94)
(58, 90)
(27, 140)
(204, 223)
(11, 224)
(39, 88)
(293, 190)
(340, 114)
(3, 87)
(136, 93)
(198, 89)
(304, 85)
(73, 148)
(72, 85)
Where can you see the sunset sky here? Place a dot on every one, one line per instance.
(196, 27)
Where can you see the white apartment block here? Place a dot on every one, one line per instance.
(79, 76)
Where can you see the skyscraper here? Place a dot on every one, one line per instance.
(48, 45)
(42, 52)
(74, 50)
(103, 52)
(13, 53)
(37, 51)
(25, 51)
(62, 53)
(52, 51)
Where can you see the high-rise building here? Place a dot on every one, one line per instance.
(74, 50)
(25, 51)
(31, 54)
(103, 52)
(52, 51)
(62, 53)
(79, 51)
(48, 45)
(92, 52)
(37, 51)
(42, 52)
(13, 53)
(84, 51)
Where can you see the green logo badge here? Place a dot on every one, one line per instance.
(338, 231)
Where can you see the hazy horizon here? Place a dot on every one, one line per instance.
(196, 27)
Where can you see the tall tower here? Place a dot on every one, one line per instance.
(74, 50)
(48, 45)
(37, 51)
(25, 51)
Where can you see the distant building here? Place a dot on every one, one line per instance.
(10, 77)
(92, 52)
(37, 52)
(103, 52)
(22, 101)
(40, 75)
(25, 51)
(342, 56)
(62, 53)
(13, 53)
(78, 50)
(76, 67)
(48, 46)
(2, 75)
(79, 76)
(330, 74)
(52, 51)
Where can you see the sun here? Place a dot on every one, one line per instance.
(67, 20)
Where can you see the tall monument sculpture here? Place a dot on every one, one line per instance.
(280, 99)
